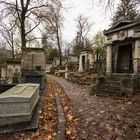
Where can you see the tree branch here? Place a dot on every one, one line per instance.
(32, 29)
(27, 4)
(18, 11)
(28, 40)
(6, 3)
(36, 7)
(22, 4)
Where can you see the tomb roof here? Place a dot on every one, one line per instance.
(122, 25)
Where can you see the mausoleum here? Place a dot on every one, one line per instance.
(122, 62)
(86, 60)
(123, 48)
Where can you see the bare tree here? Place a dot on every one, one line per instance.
(24, 11)
(8, 34)
(109, 4)
(83, 28)
(53, 24)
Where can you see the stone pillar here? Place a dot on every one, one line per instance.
(109, 60)
(85, 67)
(80, 64)
(136, 63)
(66, 72)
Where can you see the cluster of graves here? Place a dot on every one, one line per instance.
(121, 69)
(20, 97)
(120, 73)
(22, 80)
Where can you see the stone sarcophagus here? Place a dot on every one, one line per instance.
(17, 104)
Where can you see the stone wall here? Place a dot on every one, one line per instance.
(33, 59)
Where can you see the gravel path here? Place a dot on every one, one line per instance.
(105, 118)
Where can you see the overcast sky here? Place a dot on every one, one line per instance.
(95, 13)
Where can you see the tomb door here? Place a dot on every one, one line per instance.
(125, 59)
(83, 61)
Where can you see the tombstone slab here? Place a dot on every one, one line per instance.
(17, 104)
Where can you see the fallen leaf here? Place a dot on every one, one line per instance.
(70, 117)
(68, 132)
(48, 137)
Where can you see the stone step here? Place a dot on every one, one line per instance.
(109, 90)
(118, 79)
(109, 93)
(121, 75)
(112, 85)
(113, 88)
(109, 81)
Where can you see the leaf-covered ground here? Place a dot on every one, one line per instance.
(47, 124)
(74, 129)
(104, 118)
(87, 117)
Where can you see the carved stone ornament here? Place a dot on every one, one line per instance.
(122, 35)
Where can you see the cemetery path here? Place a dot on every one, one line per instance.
(97, 118)
(70, 113)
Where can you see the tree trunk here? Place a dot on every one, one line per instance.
(13, 55)
(59, 48)
(13, 51)
(23, 34)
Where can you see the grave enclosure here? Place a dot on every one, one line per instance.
(18, 104)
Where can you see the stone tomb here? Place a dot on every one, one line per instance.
(123, 48)
(86, 60)
(17, 104)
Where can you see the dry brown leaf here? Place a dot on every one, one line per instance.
(48, 137)
(65, 108)
(70, 117)
(36, 134)
(68, 132)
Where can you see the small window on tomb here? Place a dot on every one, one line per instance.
(38, 67)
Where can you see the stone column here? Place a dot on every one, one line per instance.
(3, 73)
(109, 60)
(80, 64)
(66, 72)
(136, 63)
(85, 67)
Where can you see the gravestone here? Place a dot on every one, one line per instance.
(5, 87)
(35, 77)
(18, 103)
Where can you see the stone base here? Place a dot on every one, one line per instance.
(30, 125)
(16, 119)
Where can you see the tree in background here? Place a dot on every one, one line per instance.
(78, 45)
(81, 39)
(8, 35)
(24, 12)
(52, 18)
(109, 4)
(98, 46)
(54, 52)
(126, 10)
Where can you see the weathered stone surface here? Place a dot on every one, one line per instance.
(17, 104)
